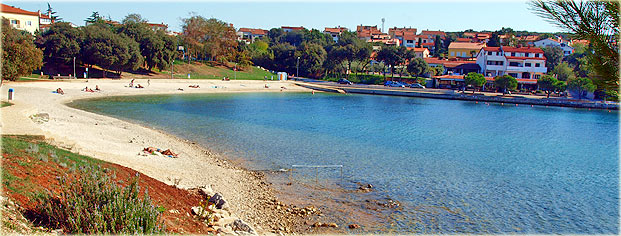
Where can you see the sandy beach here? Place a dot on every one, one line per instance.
(120, 142)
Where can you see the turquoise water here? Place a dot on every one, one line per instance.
(455, 166)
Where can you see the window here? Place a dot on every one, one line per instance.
(452, 54)
(536, 54)
(15, 22)
(514, 63)
(489, 53)
(410, 41)
(537, 65)
(513, 54)
(537, 76)
(28, 22)
(514, 75)
(527, 64)
(527, 55)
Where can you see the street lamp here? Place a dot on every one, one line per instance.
(235, 71)
(74, 68)
(297, 70)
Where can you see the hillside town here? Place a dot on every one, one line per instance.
(447, 57)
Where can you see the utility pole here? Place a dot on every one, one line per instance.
(235, 71)
(74, 68)
(297, 70)
(171, 68)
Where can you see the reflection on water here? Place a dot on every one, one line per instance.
(453, 166)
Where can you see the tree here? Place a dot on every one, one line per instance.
(494, 41)
(60, 44)
(210, 38)
(390, 56)
(475, 79)
(547, 83)
(312, 57)
(52, 14)
(564, 72)
(505, 82)
(417, 67)
(554, 56)
(157, 48)
(284, 57)
(94, 18)
(437, 46)
(109, 50)
(19, 54)
(134, 18)
(596, 21)
(580, 85)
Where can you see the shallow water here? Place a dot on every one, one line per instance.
(455, 166)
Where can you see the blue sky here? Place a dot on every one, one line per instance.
(437, 15)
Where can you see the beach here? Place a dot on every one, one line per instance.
(37, 110)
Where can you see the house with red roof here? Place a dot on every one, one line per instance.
(367, 32)
(518, 62)
(288, 29)
(335, 32)
(419, 52)
(25, 20)
(249, 35)
(407, 36)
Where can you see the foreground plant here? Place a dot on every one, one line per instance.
(93, 203)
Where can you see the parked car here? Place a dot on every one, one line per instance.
(345, 81)
(394, 84)
(417, 85)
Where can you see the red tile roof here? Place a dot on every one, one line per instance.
(466, 45)
(428, 44)
(410, 37)
(253, 31)
(431, 32)
(335, 30)
(522, 49)
(157, 25)
(526, 58)
(447, 63)
(293, 27)
(462, 40)
(11, 9)
(417, 49)
(402, 31)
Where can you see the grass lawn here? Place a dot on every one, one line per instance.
(210, 72)
(5, 104)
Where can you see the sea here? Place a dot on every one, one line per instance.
(408, 165)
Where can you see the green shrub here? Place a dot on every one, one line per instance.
(95, 204)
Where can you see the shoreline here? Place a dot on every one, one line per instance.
(251, 198)
(516, 99)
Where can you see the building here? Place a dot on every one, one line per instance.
(335, 32)
(249, 35)
(555, 42)
(419, 52)
(288, 29)
(429, 36)
(385, 40)
(454, 67)
(156, 26)
(25, 20)
(368, 32)
(528, 40)
(464, 50)
(518, 62)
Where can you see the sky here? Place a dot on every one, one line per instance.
(449, 16)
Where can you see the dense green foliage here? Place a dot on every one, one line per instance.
(550, 84)
(157, 48)
(417, 67)
(554, 56)
(109, 50)
(505, 82)
(475, 79)
(95, 204)
(20, 56)
(580, 85)
(597, 22)
(60, 44)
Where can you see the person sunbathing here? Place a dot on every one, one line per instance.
(60, 91)
(139, 86)
(97, 88)
(168, 152)
(89, 90)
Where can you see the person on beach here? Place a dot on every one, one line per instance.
(148, 82)
(139, 86)
(97, 88)
(131, 84)
(60, 91)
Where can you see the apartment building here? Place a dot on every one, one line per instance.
(25, 20)
(249, 35)
(464, 50)
(335, 32)
(518, 62)
(555, 42)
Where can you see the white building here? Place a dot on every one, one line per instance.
(518, 62)
(249, 35)
(550, 42)
(25, 20)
